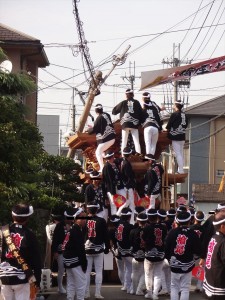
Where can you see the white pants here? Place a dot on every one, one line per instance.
(151, 135)
(138, 276)
(16, 292)
(121, 269)
(152, 200)
(135, 135)
(76, 283)
(127, 272)
(178, 148)
(100, 151)
(97, 260)
(61, 271)
(113, 207)
(166, 276)
(153, 272)
(130, 199)
(180, 283)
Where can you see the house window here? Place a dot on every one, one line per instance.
(220, 173)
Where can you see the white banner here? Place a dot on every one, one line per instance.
(156, 77)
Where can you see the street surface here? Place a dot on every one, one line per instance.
(111, 292)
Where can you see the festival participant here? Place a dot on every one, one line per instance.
(124, 247)
(182, 244)
(199, 217)
(176, 128)
(112, 181)
(74, 257)
(214, 284)
(97, 243)
(22, 266)
(105, 134)
(153, 181)
(95, 192)
(138, 251)
(128, 178)
(49, 228)
(114, 223)
(151, 123)
(171, 213)
(130, 117)
(57, 240)
(166, 273)
(153, 236)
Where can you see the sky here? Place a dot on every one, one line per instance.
(155, 29)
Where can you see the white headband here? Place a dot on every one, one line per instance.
(182, 221)
(218, 222)
(127, 214)
(80, 210)
(220, 206)
(198, 219)
(93, 205)
(99, 106)
(31, 210)
(139, 219)
(129, 92)
(124, 152)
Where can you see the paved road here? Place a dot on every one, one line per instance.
(113, 292)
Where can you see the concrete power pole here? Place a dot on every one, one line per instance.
(131, 78)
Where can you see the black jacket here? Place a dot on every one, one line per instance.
(177, 125)
(29, 249)
(103, 128)
(153, 179)
(130, 113)
(123, 238)
(182, 244)
(137, 243)
(97, 236)
(214, 283)
(111, 178)
(151, 116)
(154, 236)
(127, 173)
(73, 249)
(95, 194)
(58, 237)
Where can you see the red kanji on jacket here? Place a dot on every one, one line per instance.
(181, 243)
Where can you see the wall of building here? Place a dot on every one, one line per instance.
(199, 152)
(49, 128)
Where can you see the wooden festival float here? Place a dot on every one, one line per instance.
(87, 143)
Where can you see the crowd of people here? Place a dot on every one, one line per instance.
(155, 250)
(154, 256)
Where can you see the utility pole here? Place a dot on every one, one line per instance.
(176, 62)
(73, 111)
(131, 78)
(94, 90)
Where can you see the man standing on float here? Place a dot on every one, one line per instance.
(130, 116)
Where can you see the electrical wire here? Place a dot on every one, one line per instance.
(195, 15)
(206, 137)
(217, 44)
(212, 3)
(204, 43)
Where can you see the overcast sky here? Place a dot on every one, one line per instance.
(151, 27)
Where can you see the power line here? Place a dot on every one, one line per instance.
(199, 31)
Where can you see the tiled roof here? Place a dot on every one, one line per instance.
(10, 34)
(210, 107)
